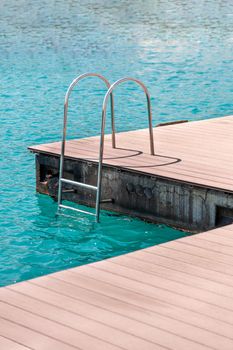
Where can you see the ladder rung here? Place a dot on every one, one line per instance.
(75, 209)
(76, 183)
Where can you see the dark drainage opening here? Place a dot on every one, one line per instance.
(224, 216)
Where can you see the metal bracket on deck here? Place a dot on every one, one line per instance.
(110, 200)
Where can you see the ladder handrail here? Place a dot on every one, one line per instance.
(68, 92)
(108, 94)
(101, 147)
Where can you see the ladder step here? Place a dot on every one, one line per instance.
(75, 209)
(81, 184)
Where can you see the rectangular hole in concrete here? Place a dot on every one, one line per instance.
(224, 216)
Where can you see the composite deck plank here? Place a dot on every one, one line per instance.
(180, 253)
(124, 285)
(137, 336)
(187, 267)
(226, 242)
(130, 147)
(146, 329)
(7, 344)
(145, 312)
(163, 297)
(55, 330)
(192, 249)
(229, 229)
(136, 325)
(169, 285)
(30, 338)
(173, 274)
(211, 246)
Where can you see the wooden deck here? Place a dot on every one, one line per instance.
(197, 152)
(177, 295)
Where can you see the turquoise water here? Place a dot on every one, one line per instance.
(182, 50)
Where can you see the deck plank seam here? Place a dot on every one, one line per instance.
(26, 347)
(137, 307)
(207, 260)
(176, 270)
(150, 297)
(173, 280)
(78, 330)
(198, 248)
(39, 332)
(166, 289)
(229, 245)
(142, 308)
(135, 320)
(118, 329)
(105, 309)
(211, 244)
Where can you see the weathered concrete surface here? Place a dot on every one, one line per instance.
(153, 198)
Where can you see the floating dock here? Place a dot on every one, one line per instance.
(177, 295)
(187, 184)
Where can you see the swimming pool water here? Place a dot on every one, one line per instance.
(182, 50)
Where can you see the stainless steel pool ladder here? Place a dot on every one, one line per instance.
(108, 94)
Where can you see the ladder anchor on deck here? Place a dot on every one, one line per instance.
(97, 188)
